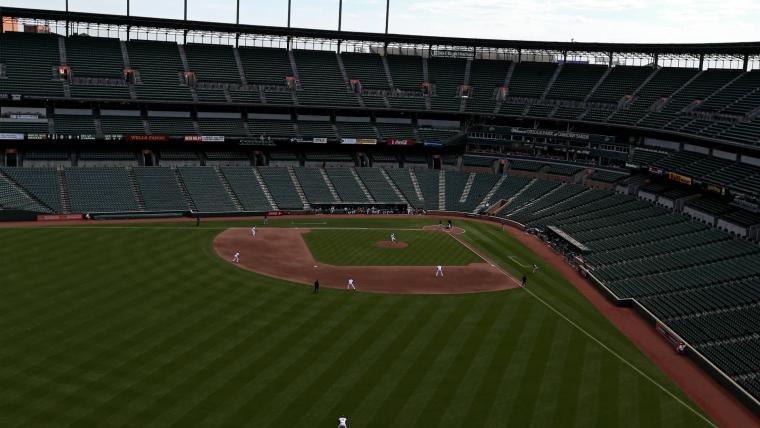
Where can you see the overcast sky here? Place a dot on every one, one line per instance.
(649, 21)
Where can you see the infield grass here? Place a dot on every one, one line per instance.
(350, 247)
(144, 326)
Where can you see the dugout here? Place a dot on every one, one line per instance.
(565, 242)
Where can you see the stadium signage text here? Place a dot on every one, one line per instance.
(552, 133)
(399, 142)
(358, 141)
(204, 138)
(147, 138)
(10, 136)
(680, 178)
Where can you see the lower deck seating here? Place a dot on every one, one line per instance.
(12, 198)
(159, 189)
(429, 184)
(281, 187)
(206, 190)
(41, 183)
(247, 188)
(377, 185)
(346, 185)
(100, 189)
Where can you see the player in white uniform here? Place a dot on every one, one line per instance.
(535, 268)
(342, 422)
(350, 285)
(393, 237)
(253, 231)
(236, 257)
(439, 271)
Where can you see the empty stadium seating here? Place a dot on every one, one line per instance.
(106, 189)
(205, 189)
(714, 103)
(159, 189)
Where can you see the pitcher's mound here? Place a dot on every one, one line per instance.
(389, 244)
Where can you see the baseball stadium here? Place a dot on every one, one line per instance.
(227, 224)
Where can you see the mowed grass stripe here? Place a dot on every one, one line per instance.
(390, 408)
(364, 389)
(116, 353)
(572, 373)
(321, 340)
(355, 348)
(473, 397)
(543, 404)
(504, 386)
(532, 375)
(195, 353)
(262, 358)
(442, 369)
(453, 376)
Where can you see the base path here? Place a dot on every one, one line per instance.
(283, 254)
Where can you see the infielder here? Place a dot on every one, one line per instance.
(535, 268)
(253, 231)
(393, 237)
(439, 271)
(342, 422)
(236, 257)
(350, 285)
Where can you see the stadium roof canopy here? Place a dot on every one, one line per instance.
(739, 49)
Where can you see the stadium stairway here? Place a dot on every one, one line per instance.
(395, 188)
(63, 185)
(299, 188)
(329, 184)
(265, 189)
(136, 189)
(417, 187)
(183, 189)
(14, 196)
(442, 191)
(228, 188)
(487, 198)
(467, 187)
(362, 186)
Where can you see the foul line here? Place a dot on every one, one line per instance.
(515, 259)
(590, 336)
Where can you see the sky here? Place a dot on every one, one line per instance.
(627, 21)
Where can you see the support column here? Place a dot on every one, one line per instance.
(387, 11)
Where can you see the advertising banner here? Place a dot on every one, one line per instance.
(679, 178)
(348, 140)
(11, 136)
(147, 138)
(399, 142)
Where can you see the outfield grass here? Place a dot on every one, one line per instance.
(357, 248)
(144, 326)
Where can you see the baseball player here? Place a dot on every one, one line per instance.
(393, 237)
(439, 271)
(524, 280)
(253, 231)
(342, 422)
(535, 268)
(236, 257)
(350, 285)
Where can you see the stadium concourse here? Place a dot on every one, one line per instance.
(638, 164)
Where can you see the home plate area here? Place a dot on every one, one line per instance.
(380, 266)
